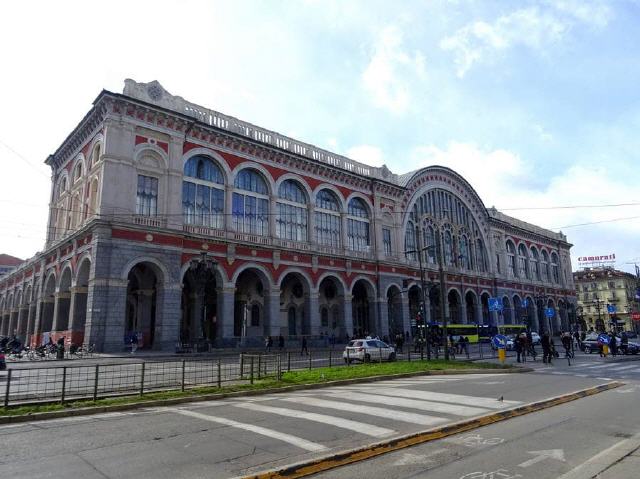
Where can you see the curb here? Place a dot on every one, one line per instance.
(346, 457)
(88, 411)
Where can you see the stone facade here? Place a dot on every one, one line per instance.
(298, 241)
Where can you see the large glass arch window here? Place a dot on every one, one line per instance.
(448, 248)
(465, 256)
(480, 256)
(554, 268)
(544, 266)
(429, 236)
(203, 193)
(410, 241)
(523, 267)
(358, 225)
(328, 227)
(511, 259)
(534, 260)
(291, 222)
(250, 203)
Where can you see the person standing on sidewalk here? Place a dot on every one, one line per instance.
(613, 344)
(304, 349)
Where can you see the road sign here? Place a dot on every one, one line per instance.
(611, 308)
(635, 316)
(603, 338)
(495, 304)
(499, 341)
(549, 312)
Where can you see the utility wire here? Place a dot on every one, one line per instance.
(24, 159)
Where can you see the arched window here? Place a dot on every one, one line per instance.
(480, 256)
(291, 222)
(429, 238)
(523, 267)
(203, 193)
(358, 225)
(62, 187)
(544, 266)
(448, 248)
(554, 268)
(534, 259)
(251, 203)
(328, 228)
(77, 172)
(95, 155)
(410, 241)
(465, 256)
(511, 258)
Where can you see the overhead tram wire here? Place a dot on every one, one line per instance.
(34, 167)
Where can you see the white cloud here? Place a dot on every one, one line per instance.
(533, 27)
(385, 77)
(368, 154)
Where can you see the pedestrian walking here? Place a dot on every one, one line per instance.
(133, 339)
(566, 344)
(465, 346)
(268, 343)
(517, 344)
(547, 348)
(304, 349)
(613, 344)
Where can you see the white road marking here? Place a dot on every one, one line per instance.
(601, 461)
(605, 379)
(446, 398)
(342, 423)
(409, 403)
(621, 368)
(597, 366)
(557, 454)
(411, 418)
(263, 431)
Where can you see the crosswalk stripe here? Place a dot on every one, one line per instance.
(441, 397)
(379, 412)
(342, 423)
(263, 431)
(597, 366)
(410, 403)
(621, 368)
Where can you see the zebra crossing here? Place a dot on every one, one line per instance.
(377, 410)
(596, 367)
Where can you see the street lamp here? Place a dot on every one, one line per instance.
(201, 268)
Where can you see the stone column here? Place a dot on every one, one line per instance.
(383, 322)
(106, 311)
(61, 311)
(272, 216)
(78, 308)
(312, 304)
(23, 315)
(226, 315)
(348, 316)
(406, 313)
(30, 322)
(478, 311)
(168, 316)
(228, 207)
(463, 311)
(343, 240)
(13, 321)
(311, 229)
(272, 313)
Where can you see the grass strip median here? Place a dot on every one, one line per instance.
(297, 379)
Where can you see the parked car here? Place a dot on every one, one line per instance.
(590, 344)
(365, 350)
(535, 338)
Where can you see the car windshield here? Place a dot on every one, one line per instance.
(372, 344)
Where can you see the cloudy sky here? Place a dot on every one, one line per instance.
(535, 103)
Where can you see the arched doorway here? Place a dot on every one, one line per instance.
(394, 311)
(331, 303)
(199, 306)
(64, 301)
(519, 313)
(434, 304)
(363, 310)
(455, 313)
(140, 312)
(294, 305)
(486, 318)
(79, 314)
(507, 312)
(471, 301)
(531, 321)
(47, 306)
(250, 319)
(415, 300)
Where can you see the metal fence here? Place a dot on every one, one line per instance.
(96, 381)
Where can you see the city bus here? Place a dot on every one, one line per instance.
(475, 333)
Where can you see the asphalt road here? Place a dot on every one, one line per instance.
(222, 439)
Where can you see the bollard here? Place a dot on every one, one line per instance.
(95, 382)
(64, 384)
(241, 365)
(309, 353)
(289, 361)
(182, 378)
(330, 358)
(251, 371)
(142, 379)
(502, 354)
(259, 366)
(605, 350)
(219, 374)
(6, 391)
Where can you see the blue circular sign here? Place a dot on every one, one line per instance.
(604, 338)
(499, 341)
